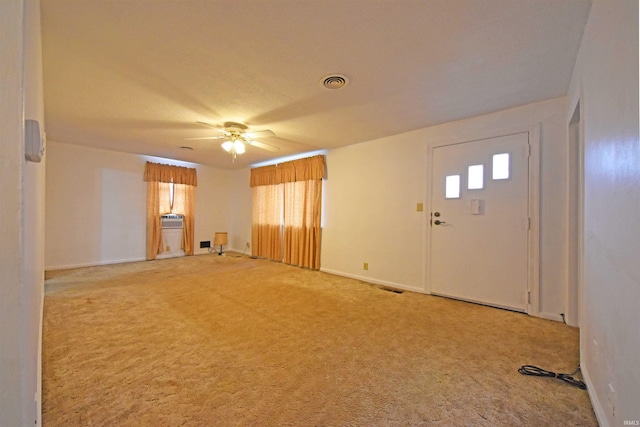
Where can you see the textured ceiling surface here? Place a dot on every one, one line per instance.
(136, 75)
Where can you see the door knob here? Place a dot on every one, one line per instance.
(438, 222)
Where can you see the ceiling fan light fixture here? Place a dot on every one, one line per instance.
(236, 138)
(334, 81)
(238, 147)
(227, 146)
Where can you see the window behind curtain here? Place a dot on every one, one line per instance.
(267, 215)
(172, 198)
(170, 189)
(301, 225)
(287, 201)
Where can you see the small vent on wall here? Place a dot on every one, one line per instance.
(395, 291)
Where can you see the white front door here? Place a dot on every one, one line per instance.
(480, 221)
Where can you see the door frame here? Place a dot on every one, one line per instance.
(575, 193)
(533, 250)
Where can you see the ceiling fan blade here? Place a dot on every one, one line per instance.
(205, 137)
(218, 128)
(262, 145)
(260, 134)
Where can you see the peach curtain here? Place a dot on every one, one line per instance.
(154, 230)
(156, 172)
(287, 201)
(296, 170)
(301, 233)
(266, 228)
(159, 203)
(183, 203)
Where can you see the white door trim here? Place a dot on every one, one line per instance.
(534, 215)
(575, 238)
(533, 306)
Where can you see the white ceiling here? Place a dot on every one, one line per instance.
(136, 75)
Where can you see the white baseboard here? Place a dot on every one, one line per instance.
(38, 396)
(598, 408)
(543, 315)
(170, 255)
(373, 280)
(92, 264)
(549, 316)
(204, 251)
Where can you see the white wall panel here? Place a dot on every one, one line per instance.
(21, 215)
(240, 210)
(373, 188)
(605, 82)
(370, 215)
(96, 205)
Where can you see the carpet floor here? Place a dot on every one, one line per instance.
(234, 341)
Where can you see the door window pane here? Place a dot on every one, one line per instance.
(452, 187)
(475, 178)
(501, 166)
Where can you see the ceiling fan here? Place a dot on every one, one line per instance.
(236, 137)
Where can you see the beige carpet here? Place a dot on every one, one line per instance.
(224, 341)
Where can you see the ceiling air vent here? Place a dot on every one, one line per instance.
(334, 81)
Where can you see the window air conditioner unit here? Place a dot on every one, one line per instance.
(171, 221)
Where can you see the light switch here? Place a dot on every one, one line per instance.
(475, 207)
(419, 207)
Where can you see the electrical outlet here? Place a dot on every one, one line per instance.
(167, 249)
(365, 266)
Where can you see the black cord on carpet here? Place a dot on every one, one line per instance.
(539, 372)
(241, 255)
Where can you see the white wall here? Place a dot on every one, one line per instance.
(11, 225)
(21, 215)
(33, 217)
(605, 82)
(213, 210)
(372, 190)
(240, 210)
(369, 213)
(96, 205)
